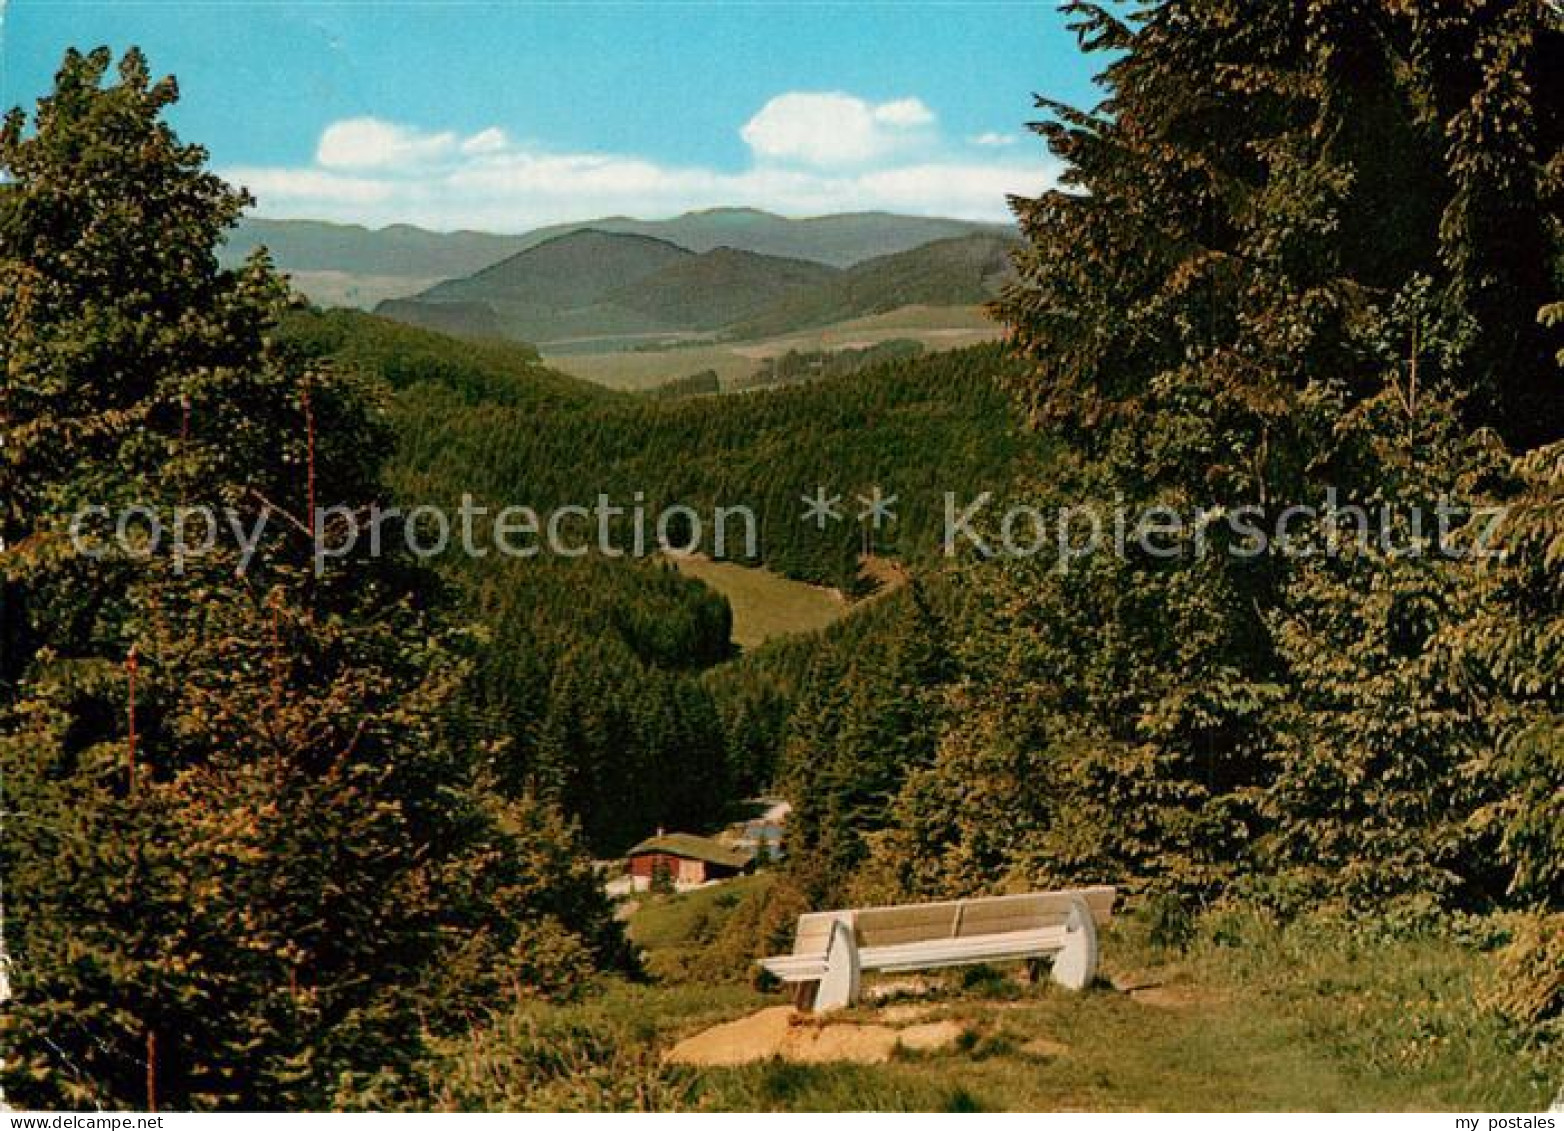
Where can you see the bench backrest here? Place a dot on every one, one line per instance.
(951, 919)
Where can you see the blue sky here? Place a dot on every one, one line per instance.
(503, 116)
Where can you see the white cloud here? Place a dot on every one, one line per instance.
(904, 112)
(829, 129)
(491, 140)
(890, 157)
(993, 139)
(369, 143)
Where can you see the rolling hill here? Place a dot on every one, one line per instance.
(351, 265)
(710, 290)
(564, 273)
(460, 319)
(839, 240)
(591, 286)
(401, 249)
(964, 271)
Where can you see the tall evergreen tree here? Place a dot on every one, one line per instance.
(248, 833)
(1275, 267)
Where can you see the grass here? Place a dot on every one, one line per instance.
(362, 292)
(937, 327)
(766, 604)
(1322, 1015)
(689, 919)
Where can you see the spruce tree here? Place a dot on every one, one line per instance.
(249, 838)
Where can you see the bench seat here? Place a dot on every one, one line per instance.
(833, 949)
(938, 953)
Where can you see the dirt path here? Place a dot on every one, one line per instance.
(783, 1032)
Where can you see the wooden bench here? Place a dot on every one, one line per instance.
(833, 949)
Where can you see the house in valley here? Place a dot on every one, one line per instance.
(687, 860)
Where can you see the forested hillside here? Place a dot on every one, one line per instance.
(595, 284)
(967, 270)
(593, 663)
(351, 265)
(1286, 261)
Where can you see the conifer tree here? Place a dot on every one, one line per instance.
(249, 834)
(1275, 267)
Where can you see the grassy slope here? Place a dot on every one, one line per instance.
(937, 327)
(1321, 1016)
(965, 270)
(684, 922)
(766, 605)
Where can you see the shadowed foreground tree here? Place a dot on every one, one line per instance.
(250, 859)
(1300, 246)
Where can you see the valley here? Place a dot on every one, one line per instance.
(733, 363)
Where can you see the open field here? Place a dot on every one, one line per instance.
(362, 292)
(765, 604)
(938, 328)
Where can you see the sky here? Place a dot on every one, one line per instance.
(506, 116)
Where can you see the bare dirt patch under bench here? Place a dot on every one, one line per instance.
(784, 1033)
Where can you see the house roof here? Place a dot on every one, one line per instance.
(693, 847)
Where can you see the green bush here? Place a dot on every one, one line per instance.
(542, 1058)
(1528, 980)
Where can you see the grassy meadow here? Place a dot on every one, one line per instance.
(765, 604)
(937, 327)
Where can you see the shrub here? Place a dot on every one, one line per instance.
(546, 1058)
(1528, 981)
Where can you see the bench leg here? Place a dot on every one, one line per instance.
(1076, 965)
(839, 988)
(804, 995)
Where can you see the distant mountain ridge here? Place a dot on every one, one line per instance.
(351, 265)
(839, 240)
(963, 271)
(590, 285)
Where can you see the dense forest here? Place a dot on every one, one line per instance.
(257, 851)
(592, 665)
(1317, 247)
(287, 829)
(590, 284)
